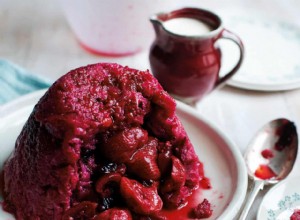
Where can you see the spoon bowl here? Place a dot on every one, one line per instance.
(274, 147)
(270, 156)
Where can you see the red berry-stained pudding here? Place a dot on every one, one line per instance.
(104, 142)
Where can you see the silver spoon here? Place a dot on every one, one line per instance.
(270, 156)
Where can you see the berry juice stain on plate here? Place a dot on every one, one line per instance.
(205, 183)
(192, 210)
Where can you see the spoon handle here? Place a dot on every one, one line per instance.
(258, 185)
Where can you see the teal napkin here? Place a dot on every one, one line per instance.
(16, 81)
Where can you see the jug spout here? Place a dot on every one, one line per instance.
(156, 22)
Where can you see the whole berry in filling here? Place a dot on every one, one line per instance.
(203, 210)
(295, 215)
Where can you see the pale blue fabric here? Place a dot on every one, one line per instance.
(16, 81)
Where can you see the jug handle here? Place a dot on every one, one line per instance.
(226, 34)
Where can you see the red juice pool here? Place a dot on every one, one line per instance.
(185, 212)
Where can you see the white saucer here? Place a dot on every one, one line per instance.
(281, 201)
(272, 51)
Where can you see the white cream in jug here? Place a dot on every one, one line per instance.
(187, 27)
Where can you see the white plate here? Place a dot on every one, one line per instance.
(272, 51)
(281, 201)
(223, 162)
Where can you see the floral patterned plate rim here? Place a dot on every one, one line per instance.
(281, 201)
(272, 51)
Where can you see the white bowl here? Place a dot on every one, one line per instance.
(114, 27)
